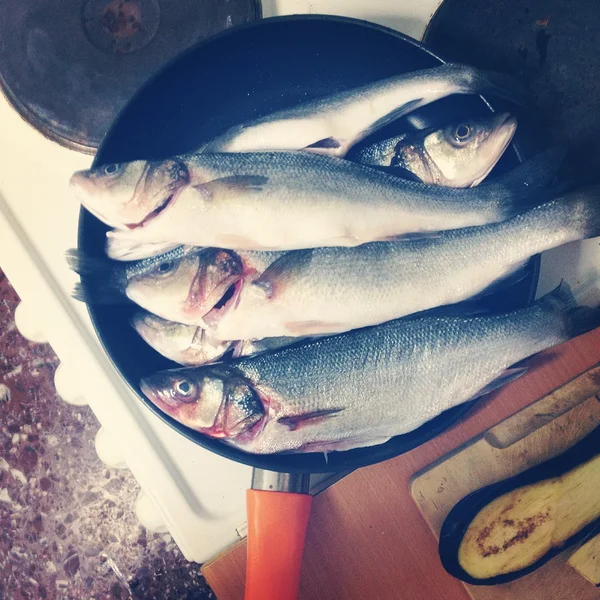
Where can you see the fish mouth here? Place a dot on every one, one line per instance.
(101, 216)
(505, 119)
(160, 208)
(82, 189)
(219, 299)
(507, 125)
(156, 398)
(146, 326)
(228, 301)
(504, 126)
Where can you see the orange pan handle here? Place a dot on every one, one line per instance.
(277, 522)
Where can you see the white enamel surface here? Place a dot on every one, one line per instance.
(69, 385)
(109, 450)
(197, 495)
(149, 515)
(408, 16)
(30, 323)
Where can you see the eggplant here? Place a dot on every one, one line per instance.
(510, 528)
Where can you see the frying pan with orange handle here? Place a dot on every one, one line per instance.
(234, 77)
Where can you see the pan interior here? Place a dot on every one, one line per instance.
(242, 74)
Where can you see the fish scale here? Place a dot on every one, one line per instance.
(292, 200)
(329, 290)
(365, 386)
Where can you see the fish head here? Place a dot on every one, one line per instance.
(187, 287)
(185, 344)
(215, 401)
(460, 155)
(124, 195)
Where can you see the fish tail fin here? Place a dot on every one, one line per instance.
(583, 208)
(500, 85)
(532, 183)
(578, 319)
(101, 282)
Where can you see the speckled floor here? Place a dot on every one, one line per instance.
(67, 526)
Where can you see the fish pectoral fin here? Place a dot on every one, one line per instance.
(402, 172)
(411, 237)
(294, 422)
(282, 270)
(504, 378)
(340, 445)
(329, 143)
(233, 183)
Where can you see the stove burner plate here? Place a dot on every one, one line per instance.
(69, 67)
(551, 46)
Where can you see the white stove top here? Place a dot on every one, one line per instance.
(197, 496)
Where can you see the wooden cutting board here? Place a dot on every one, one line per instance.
(366, 536)
(535, 434)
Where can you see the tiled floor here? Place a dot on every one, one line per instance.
(67, 525)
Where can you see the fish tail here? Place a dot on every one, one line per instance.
(584, 208)
(532, 183)
(578, 319)
(500, 85)
(101, 281)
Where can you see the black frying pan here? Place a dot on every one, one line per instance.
(237, 76)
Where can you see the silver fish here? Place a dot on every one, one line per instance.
(183, 344)
(180, 285)
(365, 386)
(279, 201)
(192, 345)
(330, 290)
(459, 155)
(332, 125)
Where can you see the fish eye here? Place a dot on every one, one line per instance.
(112, 168)
(184, 387)
(462, 133)
(165, 267)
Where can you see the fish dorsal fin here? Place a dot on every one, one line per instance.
(282, 270)
(293, 422)
(391, 116)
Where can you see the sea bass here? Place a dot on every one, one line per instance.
(192, 345)
(365, 386)
(260, 201)
(180, 285)
(330, 290)
(183, 344)
(332, 125)
(459, 155)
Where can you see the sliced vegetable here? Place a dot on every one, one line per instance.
(508, 529)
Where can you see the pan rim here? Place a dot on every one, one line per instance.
(343, 460)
